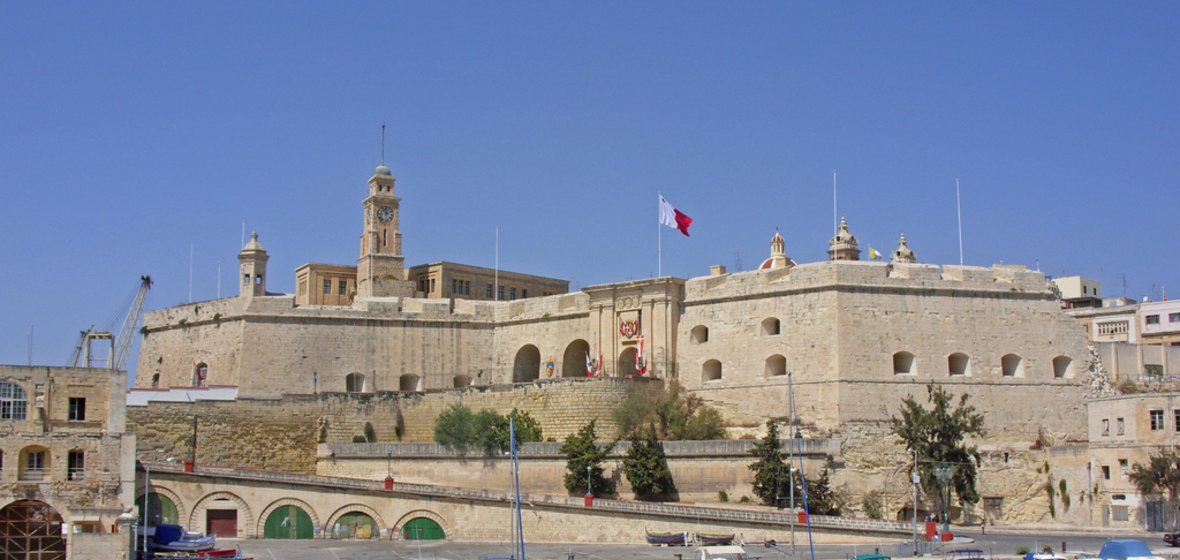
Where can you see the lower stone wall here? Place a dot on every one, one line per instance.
(99, 546)
(281, 434)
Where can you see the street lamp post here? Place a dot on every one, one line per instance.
(589, 482)
(943, 472)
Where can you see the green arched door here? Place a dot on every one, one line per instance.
(288, 522)
(160, 510)
(423, 529)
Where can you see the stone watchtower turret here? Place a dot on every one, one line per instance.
(903, 254)
(253, 264)
(843, 247)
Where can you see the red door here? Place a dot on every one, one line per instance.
(222, 522)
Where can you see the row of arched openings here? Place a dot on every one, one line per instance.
(294, 519)
(774, 366)
(770, 326)
(960, 364)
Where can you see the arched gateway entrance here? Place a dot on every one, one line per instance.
(31, 530)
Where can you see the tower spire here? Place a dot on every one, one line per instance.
(382, 143)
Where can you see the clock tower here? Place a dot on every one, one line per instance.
(380, 271)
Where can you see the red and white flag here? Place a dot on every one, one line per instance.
(672, 217)
(640, 359)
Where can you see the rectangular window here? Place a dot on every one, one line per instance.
(1157, 420)
(489, 296)
(246, 279)
(77, 466)
(1176, 416)
(1153, 319)
(1123, 468)
(454, 286)
(1174, 317)
(1119, 513)
(1106, 426)
(1106, 472)
(467, 288)
(500, 295)
(1120, 427)
(1121, 327)
(342, 288)
(524, 294)
(327, 286)
(432, 285)
(77, 409)
(511, 293)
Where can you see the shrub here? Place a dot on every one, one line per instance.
(722, 496)
(1021, 550)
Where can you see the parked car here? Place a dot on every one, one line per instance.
(1126, 549)
(1172, 539)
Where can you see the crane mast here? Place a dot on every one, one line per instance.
(118, 345)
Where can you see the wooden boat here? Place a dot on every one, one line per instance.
(709, 539)
(666, 539)
(228, 553)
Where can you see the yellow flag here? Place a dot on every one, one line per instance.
(873, 253)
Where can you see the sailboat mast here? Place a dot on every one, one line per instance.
(799, 447)
(516, 483)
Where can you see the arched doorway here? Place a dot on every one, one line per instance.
(627, 363)
(527, 366)
(288, 522)
(356, 525)
(31, 530)
(161, 509)
(573, 361)
(423, 529)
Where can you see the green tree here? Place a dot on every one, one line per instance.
(646, 468)
(772, 473)
(1161, 475)
(584, 461)
(490, 432)
(527, 427)
(937, 436)
(454, 427)
(821, 498)
(676, 414)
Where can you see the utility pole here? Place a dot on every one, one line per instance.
(916, 481)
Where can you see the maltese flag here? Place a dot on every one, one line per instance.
(672, 217)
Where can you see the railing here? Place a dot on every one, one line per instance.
(32, 475)
(706, 448)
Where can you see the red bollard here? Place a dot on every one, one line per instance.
(389, 483)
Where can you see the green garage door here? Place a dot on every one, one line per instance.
(423, 529)
(288, 522)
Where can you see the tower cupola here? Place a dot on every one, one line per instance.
(903, 254)
(252, 261)
(844, 246)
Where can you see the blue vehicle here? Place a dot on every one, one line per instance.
(1126, 549)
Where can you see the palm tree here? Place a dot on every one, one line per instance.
(1161, 475)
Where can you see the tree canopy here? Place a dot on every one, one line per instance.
(675, 414)
(938, 437)
(460, 429)
(772, 473)
(1161, 474)
(583, 463)
(646, 468)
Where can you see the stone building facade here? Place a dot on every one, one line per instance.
(853, 338)
(1126, 430)
(67, 463)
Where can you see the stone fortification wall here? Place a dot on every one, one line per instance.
(281, 434)
(176, 339)
(700, 469)
(1013, 480)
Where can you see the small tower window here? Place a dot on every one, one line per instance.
(245, 279)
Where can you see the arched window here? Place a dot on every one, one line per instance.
(1011, 366)
(409, 382)
(34, 463)
(155, 381)
(958, 364)
(776, 365)
(771, 327)
(903, 363)
(200, 375)
(14, 405)
(354, 383)
(700, 334)
(711, 371)
(527, 366)
(1061, 367)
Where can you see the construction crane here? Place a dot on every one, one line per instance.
(118, 345)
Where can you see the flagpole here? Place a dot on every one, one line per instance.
(835, 222)
(959, 204)
(496, 279)
(660, 237)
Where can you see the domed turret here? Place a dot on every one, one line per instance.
(382, 170)
(778, 254)
(844, 246)
(903, 254)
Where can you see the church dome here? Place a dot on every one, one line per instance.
(382, 170)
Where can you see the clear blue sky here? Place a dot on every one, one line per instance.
(129, 132)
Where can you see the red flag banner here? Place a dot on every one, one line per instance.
(672, 217)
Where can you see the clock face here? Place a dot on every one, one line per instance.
(385, 213)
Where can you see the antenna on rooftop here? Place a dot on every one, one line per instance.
(382, 143)
(737, 261)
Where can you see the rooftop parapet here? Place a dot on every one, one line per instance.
(819, 275)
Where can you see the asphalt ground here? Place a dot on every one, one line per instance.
(992, 544)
